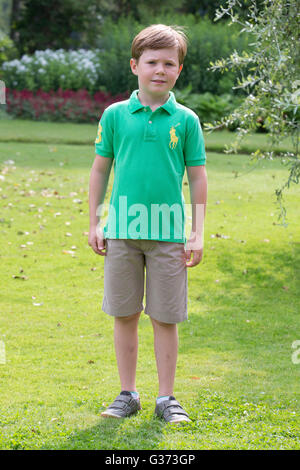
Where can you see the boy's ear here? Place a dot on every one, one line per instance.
(133, 65)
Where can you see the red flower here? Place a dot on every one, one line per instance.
(76, 106)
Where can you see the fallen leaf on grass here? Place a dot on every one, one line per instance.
(69, 252)
(219, 235)
(16, 276)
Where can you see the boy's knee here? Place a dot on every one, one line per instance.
(129, 318)
(157, 323)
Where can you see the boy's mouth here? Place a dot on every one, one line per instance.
(158, 81)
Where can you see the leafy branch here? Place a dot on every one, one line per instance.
(268, 77)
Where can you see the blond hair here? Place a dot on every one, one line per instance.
(160, 36)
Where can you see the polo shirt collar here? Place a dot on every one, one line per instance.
(135, 104)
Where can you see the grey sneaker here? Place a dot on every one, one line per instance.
(123, 406)
(171, 411)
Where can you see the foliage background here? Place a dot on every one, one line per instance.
(235, 374)
(87, 46)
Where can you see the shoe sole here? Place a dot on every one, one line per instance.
(107, 414)
(111, 414)
(176, 421)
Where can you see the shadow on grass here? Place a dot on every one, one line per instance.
(246, 323)
(134, 433)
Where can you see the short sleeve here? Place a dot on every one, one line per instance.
(194, 149)
(105, 135)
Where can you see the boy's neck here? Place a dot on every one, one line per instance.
(152, 102)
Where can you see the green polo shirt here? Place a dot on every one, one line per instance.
(150, 150)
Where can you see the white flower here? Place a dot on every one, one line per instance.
(74, 65)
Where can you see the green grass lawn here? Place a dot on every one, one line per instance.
(235, 375)
(84, 134)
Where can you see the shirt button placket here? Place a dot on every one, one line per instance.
(150, 133)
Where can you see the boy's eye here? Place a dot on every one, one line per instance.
(153, 62)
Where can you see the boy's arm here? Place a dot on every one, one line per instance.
(198, 192)
(98, 183)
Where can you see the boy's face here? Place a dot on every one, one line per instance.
(157, 71)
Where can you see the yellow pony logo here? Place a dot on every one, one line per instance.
(99, 137)
(173, 137)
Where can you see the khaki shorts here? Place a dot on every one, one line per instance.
(166, 279)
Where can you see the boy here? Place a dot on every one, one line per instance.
(151, 139)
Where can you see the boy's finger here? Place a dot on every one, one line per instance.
(101, 245)
(188, 255)
(197, 256)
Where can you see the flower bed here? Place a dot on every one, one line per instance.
(60, 105)
(53, 69)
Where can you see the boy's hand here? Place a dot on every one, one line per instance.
(97, 241)
(194, 247)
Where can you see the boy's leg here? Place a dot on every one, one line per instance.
(126, 348)
(166, 294)
(166, 347)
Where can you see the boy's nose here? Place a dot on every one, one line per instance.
(160, 69)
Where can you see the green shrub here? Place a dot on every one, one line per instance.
(207, 106)
(7, 49)
(114, 53)
(207, 42)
